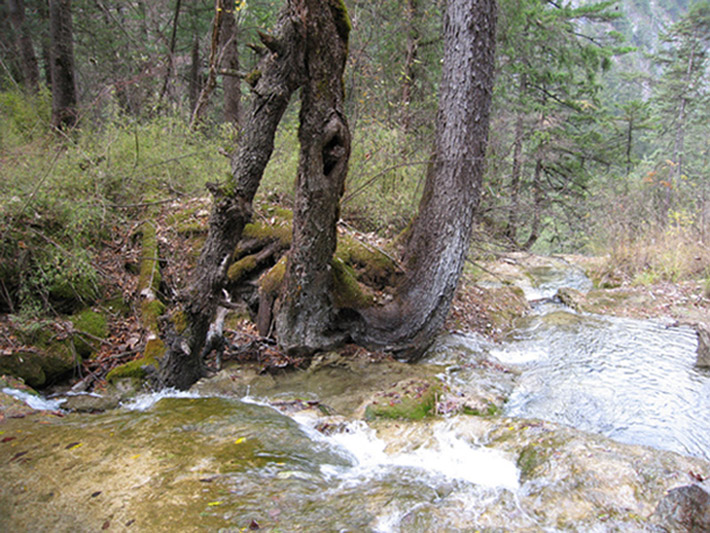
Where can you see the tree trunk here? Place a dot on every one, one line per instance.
(171, 51)
(195, 85)
(306, 317)
(537, 206)
(440, 235)
(279, 72)
(230, 65)
(30, 68)
(64, 114)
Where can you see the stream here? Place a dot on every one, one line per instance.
(595, 408)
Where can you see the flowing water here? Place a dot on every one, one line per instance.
(233, 462)
(631, 380)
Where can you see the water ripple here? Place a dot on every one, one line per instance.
(632, 380)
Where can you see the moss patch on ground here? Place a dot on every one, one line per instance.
(411, 399)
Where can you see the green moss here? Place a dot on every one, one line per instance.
(150, 271)
(280, 230)
(271, 281)
(240, 269)
(490, 410)
(373, 266)
(93, 323)
(24, 365)
(253, 77)
(342, 19)
(531, 457)
(151, 310)
(409, 400)
(179, 320)
(154, 350)
(347, 292)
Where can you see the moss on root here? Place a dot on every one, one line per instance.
(347, 292)
(271, 281)
(137, 369)
(149, 272)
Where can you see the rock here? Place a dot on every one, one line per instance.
(90, 403)
(572, 298)
(685, 508)
(703, 352)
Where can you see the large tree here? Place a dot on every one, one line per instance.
(308, 49)
(440, 234)
(64, 100)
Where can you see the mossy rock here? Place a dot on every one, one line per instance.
(505, 305)
(137, 369)
(39, 367)
(531, 458)
(411, 399)
(93, 323)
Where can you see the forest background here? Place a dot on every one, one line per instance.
(599, 132)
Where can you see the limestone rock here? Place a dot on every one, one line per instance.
(685, 508)
(703, 352)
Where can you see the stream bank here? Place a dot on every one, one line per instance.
(329, 448)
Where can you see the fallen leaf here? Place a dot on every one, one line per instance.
(239, 440)
(214, 504)
(7, 439)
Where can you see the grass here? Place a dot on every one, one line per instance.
(64, 196)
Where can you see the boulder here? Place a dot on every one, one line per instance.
(685, 508)
(703, 352)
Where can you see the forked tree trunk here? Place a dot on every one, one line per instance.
(280, 73)
(306, 317)
(440, 235)
(64, 114)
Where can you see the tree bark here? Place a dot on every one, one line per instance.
(195, 85)
(30, 68)
(230, 65)
(440, 235)
(171, 51)
(64, 113)
(305, 320)
(280, 72)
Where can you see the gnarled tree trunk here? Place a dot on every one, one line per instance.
(279, 73)
(440, 235)
(306, 317)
